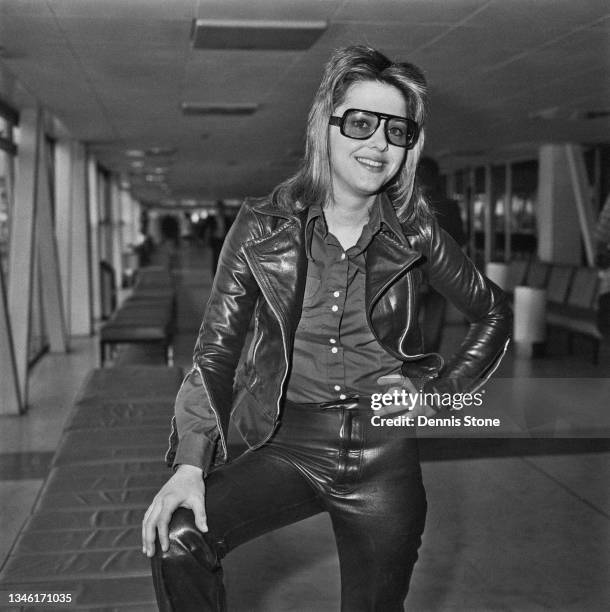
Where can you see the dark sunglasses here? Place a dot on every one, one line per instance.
(362, 124)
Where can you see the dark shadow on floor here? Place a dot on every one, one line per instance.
(436, 449)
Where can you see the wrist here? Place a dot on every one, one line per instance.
(185, 468)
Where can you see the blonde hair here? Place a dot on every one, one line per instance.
(312, 182)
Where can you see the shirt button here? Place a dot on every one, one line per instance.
(342, 256)
(337, 388)
(334, 349)
(335, 308)
(336, 294)
(333, 341)
(342, 396)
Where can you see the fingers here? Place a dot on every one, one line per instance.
(162, 524)
(198, 508)
(422, 409)
(181, 490)
(408, 384)
(390, 379)
(149, 529)
(156, 520)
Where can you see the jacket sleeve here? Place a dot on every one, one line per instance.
(204, 401)
(483, 303)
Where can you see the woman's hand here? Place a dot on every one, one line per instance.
(396, 384)
(184, 489)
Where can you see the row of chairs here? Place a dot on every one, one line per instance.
(146, 317)
(573, 297)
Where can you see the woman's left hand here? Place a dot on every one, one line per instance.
(396, 384)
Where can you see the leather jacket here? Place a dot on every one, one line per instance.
(262, 274)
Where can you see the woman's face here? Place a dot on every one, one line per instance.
(360, 168)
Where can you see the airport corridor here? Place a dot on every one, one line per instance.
(514, 523)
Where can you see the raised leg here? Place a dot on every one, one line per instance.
(244, 499)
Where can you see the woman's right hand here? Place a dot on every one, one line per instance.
(184, 489)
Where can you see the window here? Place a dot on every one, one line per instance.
(39, 340)
(7, 175)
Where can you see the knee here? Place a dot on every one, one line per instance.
(187, 544)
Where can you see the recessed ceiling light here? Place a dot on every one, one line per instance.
(256, 34)
(134, 153)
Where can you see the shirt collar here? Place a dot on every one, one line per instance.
(383, 215)
(313, 212)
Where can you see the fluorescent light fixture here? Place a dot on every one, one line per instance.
(220, 108)
(256, 34)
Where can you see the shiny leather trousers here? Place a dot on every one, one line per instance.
(328, 459)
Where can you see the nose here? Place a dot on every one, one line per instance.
(378, 138)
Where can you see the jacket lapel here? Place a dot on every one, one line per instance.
(386, 260)
(279, 264)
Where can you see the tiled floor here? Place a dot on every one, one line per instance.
(518, 524)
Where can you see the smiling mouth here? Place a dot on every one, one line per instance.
(370, 163)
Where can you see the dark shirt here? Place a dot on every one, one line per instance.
(335, 354)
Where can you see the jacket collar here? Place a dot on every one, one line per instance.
(388, 221)
(387, 213)
(266, 206)
(388, 256)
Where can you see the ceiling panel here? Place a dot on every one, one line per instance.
(235, 76)
(601, 24)
(408, 11)
(516, 15)
(21, 36)
(291, 10)
(136, 31)
(119, 10)
(395, 39)
(26, 8)
(469, 53)
(56, 75)
(539, 73)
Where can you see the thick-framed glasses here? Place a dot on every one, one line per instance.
(362, 124)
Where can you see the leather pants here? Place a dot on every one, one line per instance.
(329, 459)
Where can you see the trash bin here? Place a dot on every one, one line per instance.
(498, 273)
(529, 334)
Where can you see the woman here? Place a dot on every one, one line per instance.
(330, 266)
